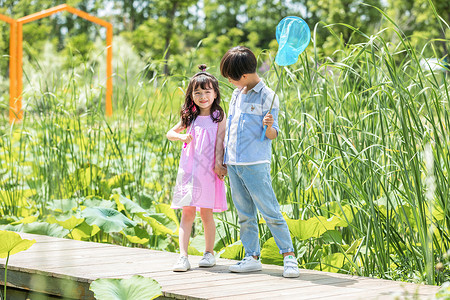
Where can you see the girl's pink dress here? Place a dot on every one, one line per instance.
(197, 184)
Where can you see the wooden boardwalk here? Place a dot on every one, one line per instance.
(56, 266)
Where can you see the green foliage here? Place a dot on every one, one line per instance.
(444, 292)
(338, 13)
(39, 227)
(419, 22)
(107, 219)
(233, 251)
(148, 39)
(134, 288)
(350, 166)
(270, 254)
(311, 228)
(331, 263)
(12, 243)
(78, 50)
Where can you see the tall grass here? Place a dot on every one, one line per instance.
(354, 131)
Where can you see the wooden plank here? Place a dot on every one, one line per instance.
(16, 294)
(243, 290)
(61, 246)
(35, 259)
(361, 286)
(53, 264)
(66, 287)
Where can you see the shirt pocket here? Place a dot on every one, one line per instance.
(252, 116)
(251, 108)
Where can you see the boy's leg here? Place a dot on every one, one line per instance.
(259, 184)
(246, 211)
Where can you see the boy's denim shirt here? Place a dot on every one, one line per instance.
(243, 145)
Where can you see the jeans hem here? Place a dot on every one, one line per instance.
(286, 250)
(252, 254)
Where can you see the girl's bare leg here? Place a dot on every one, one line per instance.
(187, 219)
(210, 228)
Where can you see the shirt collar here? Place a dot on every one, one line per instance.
(258, 87)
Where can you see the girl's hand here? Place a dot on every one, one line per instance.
(187, 138)
(268, 120)
(220, 170)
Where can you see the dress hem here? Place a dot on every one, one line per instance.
(215, 210)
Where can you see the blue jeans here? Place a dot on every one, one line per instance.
(251, 189)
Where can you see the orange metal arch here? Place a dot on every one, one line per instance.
(13, 112)
(16, 52)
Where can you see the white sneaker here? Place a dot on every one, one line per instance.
(208, 260)
(290, 267)
(182, 264)
(248, 264)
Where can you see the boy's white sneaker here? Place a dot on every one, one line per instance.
(248, 264)
(290, 267)
(208, 260)
(182, 264)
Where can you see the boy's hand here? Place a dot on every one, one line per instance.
(220, 170)
(187, 138)
(268, 120)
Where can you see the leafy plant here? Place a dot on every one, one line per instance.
(134, 288)
(12, 243)
(107, 219)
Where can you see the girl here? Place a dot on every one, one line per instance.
(199, 185)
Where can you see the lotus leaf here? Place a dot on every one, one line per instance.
(84, 231)
(331, 263)
(134, 288)
(13, 243)
(109, 220)
(125, 204)
(161, 224)
(270, 254)
(26, 220)
(136, 235)
(42, 228)
(69, 223)
(311, 228)
(343, 212)
(233, 251)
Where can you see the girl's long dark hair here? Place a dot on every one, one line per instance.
(189, 110)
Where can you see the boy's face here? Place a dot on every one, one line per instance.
(238, 83)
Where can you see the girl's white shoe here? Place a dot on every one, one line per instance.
(208, 260)
(182, 264)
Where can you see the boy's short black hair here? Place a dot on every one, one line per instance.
(238, 61)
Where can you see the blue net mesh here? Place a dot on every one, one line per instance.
(293, 36)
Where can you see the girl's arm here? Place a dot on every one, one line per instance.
(174, 134)
(219, 168)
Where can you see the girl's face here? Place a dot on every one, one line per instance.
(204, 98)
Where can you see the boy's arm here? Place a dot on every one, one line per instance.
(271, 133)
(219, 168)
(271, 118)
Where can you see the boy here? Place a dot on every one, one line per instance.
(248, 160)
